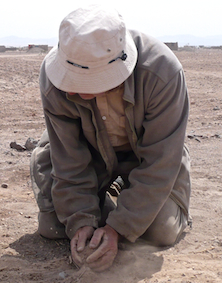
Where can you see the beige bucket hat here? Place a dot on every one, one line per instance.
(95, 52)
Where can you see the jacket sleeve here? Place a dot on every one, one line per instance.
(160, 149)
(74, 189)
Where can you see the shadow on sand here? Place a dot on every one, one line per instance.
(42, 260)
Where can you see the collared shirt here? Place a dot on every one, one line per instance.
(111, 108)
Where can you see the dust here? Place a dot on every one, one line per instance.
(133, 262)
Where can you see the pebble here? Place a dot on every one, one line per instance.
(31, 144)
(17, 146)
(62, 275)
(216, 108)
(4, 185)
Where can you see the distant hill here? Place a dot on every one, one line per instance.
(181, 39)
(193, 40)
(21, 42)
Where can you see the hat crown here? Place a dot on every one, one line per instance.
(92, 36)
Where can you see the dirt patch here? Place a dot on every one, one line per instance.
(27, 257)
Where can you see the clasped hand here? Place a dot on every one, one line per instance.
(103, 242)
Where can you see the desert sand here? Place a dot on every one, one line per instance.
(27, 257)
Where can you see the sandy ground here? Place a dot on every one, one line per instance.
(27, 257)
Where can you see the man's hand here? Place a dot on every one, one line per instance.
(105, 241)
(79, 241)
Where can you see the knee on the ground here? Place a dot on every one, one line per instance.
(161, 234)
(50, 227)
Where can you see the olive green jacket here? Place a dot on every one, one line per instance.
(156, 107)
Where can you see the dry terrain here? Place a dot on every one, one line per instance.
(27, 257)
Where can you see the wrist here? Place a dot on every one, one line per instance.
(119, 236)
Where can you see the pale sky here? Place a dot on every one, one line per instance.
(41, 18)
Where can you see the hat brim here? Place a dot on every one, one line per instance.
(73, 79)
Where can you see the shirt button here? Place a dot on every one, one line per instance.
(104, 118)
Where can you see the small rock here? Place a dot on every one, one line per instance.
(218, 136)
(216, 108)
(4, 185)
(62, 275)
(194, 137)
(31, 144)
(17, 146)
(11, 251)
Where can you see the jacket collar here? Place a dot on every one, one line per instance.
(129, 90)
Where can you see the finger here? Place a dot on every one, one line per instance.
(84, 234)
(81, 243)
(103, 263)
(99, 252)
(96, 238)
(75, 256)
